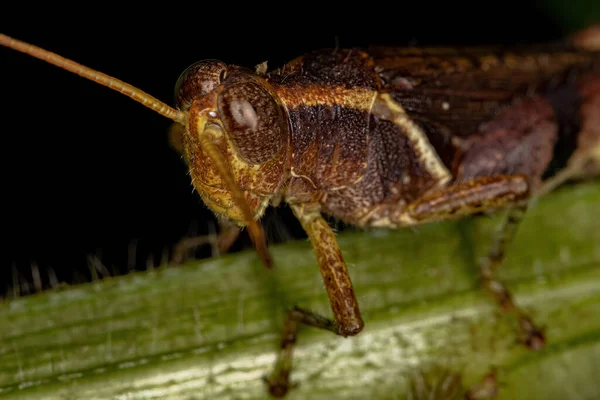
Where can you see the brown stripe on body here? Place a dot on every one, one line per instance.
(477, 72)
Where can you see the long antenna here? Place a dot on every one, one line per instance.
(96, 76)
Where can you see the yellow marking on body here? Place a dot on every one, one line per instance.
(295, 175)
(380, 217)
(294, 96)
(425, 151)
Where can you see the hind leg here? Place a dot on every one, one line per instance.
(531, 335)
(482, 195)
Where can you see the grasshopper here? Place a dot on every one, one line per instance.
(382, 137)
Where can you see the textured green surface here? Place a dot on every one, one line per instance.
(209, 330)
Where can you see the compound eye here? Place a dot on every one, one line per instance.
(198, 79)
(253, 121)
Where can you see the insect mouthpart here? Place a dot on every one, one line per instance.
(212, 163)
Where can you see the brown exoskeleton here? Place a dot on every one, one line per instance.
(386, 137)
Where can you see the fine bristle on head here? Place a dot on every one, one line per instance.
(98, 77)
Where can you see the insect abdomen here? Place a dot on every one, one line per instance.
(490, 113)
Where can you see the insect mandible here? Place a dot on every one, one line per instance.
(382, 137)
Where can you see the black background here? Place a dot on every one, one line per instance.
(86, 171)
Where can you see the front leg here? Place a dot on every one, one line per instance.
(220, 243)
(347, 320)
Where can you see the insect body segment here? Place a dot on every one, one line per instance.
(385, 137)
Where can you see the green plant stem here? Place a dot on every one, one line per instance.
(210, 329)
